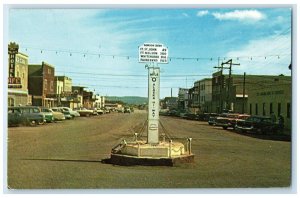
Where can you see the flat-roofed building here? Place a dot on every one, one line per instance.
(41, 84)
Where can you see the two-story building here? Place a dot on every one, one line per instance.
(41, 84)
(63, 91)
(183, 98)
(99, 101)
(201, 96)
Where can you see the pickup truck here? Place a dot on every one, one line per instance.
(230, 120)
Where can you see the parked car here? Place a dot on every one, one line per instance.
(229, 120)
(99, 111)
(212, 119)
(127, 110)
(27, 115)
(131, 109)
(107, 110)
(60, 109)
(163, 112)
(85, 112)
(48, 113)
(71, 111)
(257, 124)
(192, 116)
(172, 112)
(58, 116)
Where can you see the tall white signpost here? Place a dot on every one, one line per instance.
(152, 151)
(153, 53)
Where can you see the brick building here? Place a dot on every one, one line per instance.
(41, 84)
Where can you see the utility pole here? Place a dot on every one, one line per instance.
(229, 85)
(244, 82)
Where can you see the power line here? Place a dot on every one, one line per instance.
(133, 75)
(99, 55)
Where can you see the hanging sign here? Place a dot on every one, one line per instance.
(153, 52)
(13, 49)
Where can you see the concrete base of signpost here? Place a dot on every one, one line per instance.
(141, 153)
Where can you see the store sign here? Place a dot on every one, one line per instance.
(153, 104)
(14, 82)
(12, 51)
(153, 52)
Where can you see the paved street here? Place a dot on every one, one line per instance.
(68, 154)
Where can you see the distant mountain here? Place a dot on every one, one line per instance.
(136, 100)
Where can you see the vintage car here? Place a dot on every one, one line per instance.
(212, 119)
(229, 120)
(57, 115)
(25, 115)
(99, 111)
(85, 112)
(61, 110)
(127, 110)
(192, 116)
(48, 113)
(71, 111)
(257, 124)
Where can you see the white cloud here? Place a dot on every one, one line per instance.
(202, 13)
(270, 56)
(185, 14)
(240, 15)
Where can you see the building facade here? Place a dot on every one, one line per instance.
(17, 77)
(100, 101)
(169, 103)
(41, 84)
(205, 95)
(63, 91)
(217, 97)
(183, 98)
(78, 97)
(275, 95)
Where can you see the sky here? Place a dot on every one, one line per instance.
(98, 48)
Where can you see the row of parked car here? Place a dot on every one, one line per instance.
(246, 123)
(235, 121)
(32, 115)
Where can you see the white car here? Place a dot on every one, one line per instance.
(72, 112)
(85, 112)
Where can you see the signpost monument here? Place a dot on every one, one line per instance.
(153, 151)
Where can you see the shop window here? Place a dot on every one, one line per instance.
(279, 109)
(51, 85)
(271, 108)
(256, 109)
(288, 110)
(11, 102)
(45, 84)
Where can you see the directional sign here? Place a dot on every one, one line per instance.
(153, 52)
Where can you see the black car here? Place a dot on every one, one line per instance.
(212, 118)
(257, 124)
